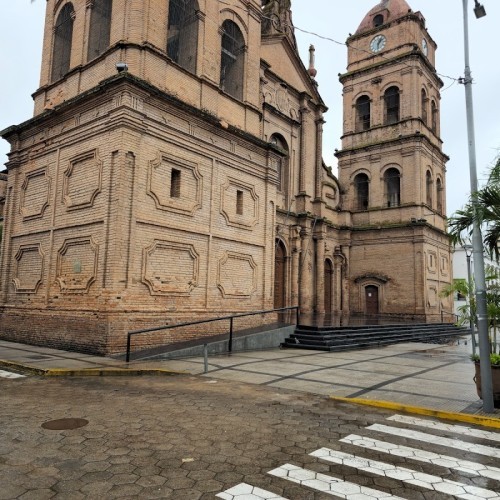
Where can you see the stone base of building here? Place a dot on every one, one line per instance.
(105, 333)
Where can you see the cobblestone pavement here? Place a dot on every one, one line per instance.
(192, 437)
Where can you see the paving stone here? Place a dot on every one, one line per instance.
(233, 433)
(9, 490)
(38, 494)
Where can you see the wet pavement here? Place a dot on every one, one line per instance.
(258, 425)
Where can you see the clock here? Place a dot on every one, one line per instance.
(425, 47)
(378, 43)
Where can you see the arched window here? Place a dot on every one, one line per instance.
(434, 116)
(232, 60)
(363, 113)
(182, 34)
(378, 20)
(278, 140)
(423, 105)
(100, 28)
(439, 196)
(362, 186)
(63, 37)
(391, 98)
(392, 187)
(428, 188)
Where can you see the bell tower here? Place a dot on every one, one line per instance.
(392, 168)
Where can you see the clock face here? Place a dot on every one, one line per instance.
(425, 46)
(378, 43)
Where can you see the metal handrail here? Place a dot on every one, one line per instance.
(451, 313)
(211, 320)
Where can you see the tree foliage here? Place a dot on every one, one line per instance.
(484, 207)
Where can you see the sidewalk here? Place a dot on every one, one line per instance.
(410, 376)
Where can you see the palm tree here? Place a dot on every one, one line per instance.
(467, 311)
(484, 207)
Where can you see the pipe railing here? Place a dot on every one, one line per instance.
(211, 320)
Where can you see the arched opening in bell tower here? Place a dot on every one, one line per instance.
(232, 60)
(391, 99)
(100, 28)
(63, 39)
(182, 36)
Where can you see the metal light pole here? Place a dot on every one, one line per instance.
(468, 252)
(477, 239)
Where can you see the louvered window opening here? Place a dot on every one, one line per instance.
(63, 38)
(100, 28)
(232, 59)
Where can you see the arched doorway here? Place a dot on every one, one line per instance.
(328, 286)
(280, 276)
(371, 299)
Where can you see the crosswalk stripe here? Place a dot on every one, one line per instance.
(457, 429)
(5, 374)
(437, 440)
(327, 484)
(429, 457)
(408, 476)
(248, 492)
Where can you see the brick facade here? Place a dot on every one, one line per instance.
(154, 196)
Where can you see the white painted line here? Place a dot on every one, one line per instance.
(428, 457)
(456, 429)
(244, 491)
(431, 438)
(327, 484)
(5, 374)
(408, 476)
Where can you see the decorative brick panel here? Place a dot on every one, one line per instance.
(82, 181)
(35, 192)
(237, 275)
(170, 268)
(189, 198)
(249, 216)
(29, 268)
(77, 265)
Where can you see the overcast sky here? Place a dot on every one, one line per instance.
(21, 29)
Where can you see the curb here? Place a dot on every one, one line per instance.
(87, 372)
(492, 422)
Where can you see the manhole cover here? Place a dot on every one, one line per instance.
(62, 424)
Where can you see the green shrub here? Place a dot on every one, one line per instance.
(494, 359)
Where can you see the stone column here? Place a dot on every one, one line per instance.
(319, 156)
(320, 275)
(338, 292)
(304, 273)
(304, 112)
(296, 244)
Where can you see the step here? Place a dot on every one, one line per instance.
(369, 336)
(339, 336)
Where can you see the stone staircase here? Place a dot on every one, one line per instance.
(328, 338)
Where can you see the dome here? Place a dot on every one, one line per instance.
(386, 11)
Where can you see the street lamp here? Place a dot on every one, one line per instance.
(479, 10)
(468, 252)
(477, 239)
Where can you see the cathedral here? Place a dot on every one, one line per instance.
(173, 171)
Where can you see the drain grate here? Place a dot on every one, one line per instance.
(62, 424)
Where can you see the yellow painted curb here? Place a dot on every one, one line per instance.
(22, 368)
(86, 372)
(419, 410)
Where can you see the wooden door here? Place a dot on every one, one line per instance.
(371, 298)
(279, 276)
